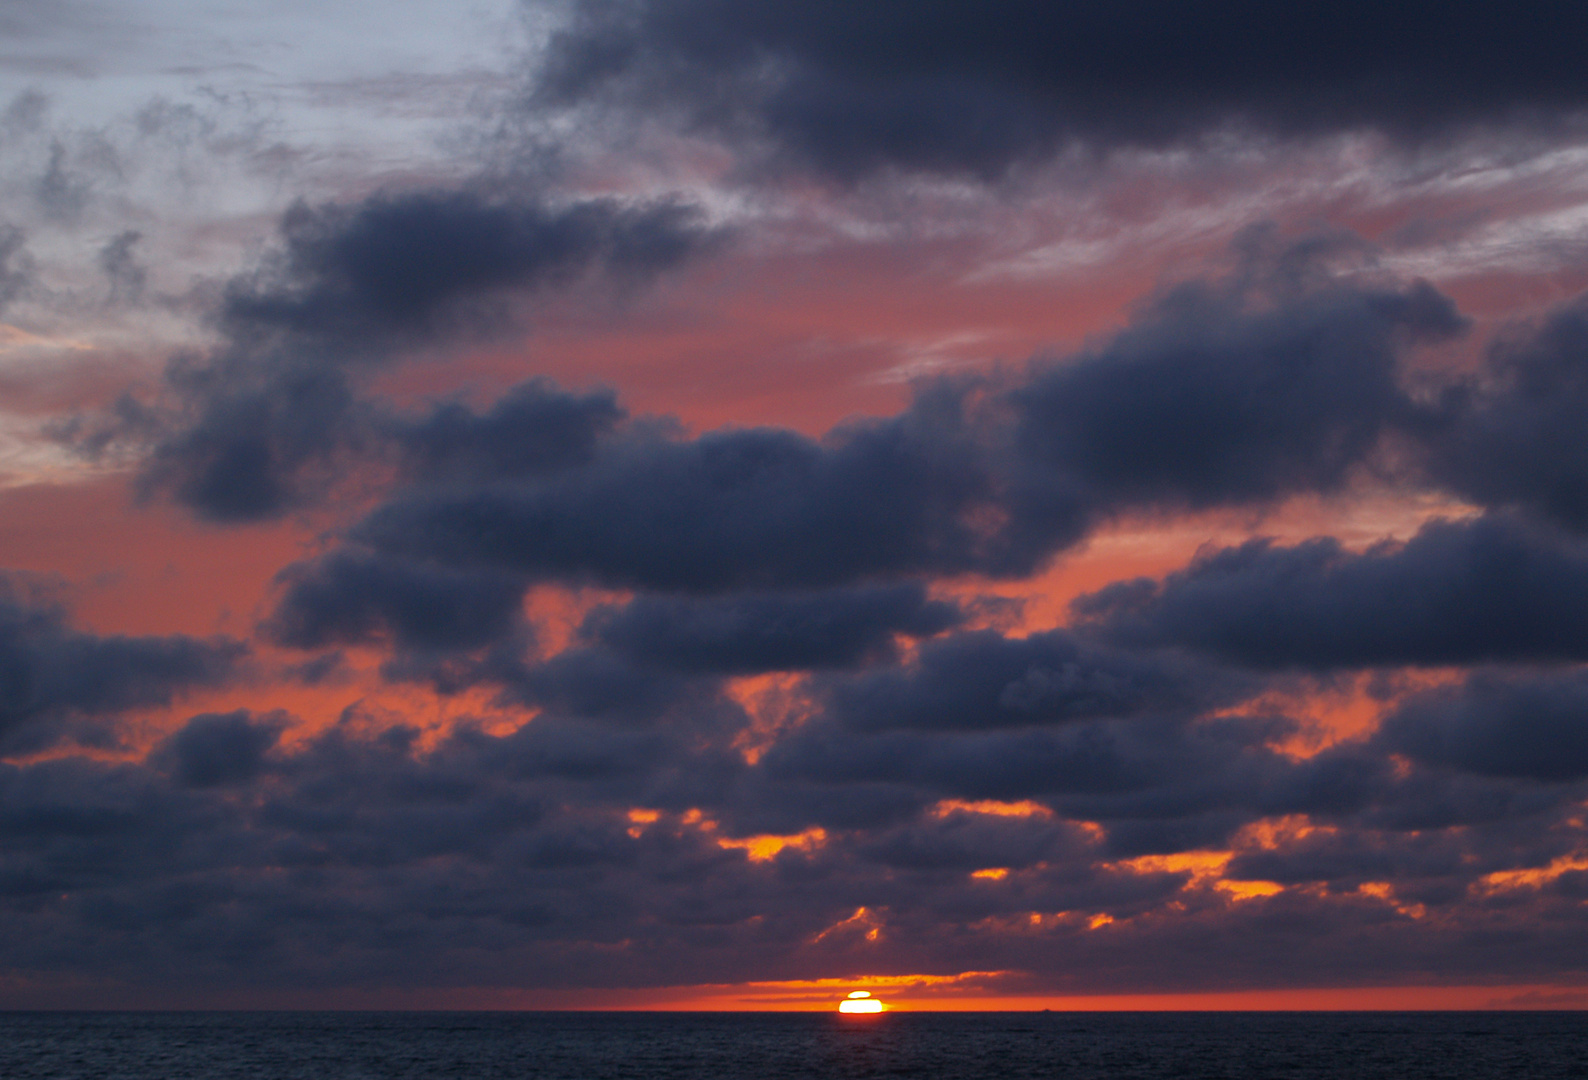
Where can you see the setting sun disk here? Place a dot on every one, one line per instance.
(860, 1001)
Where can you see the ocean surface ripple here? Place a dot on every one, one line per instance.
(762, 1046)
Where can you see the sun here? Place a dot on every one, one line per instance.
(860, 1001)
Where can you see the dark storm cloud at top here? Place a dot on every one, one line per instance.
(263, 419)
(965, 87)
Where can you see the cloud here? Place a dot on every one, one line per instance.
(967, 841)
(351, 598)
(535, 427)
(1223, 393)
(1153, 769)
(399, 265)
(595, 684)
(1273, 382)
(16, 266)
(981, 680)
(58, 684)
(1422, 867)
(125, 274)
(751, 739)
(252, 452)
(757, 632)
(62, 193)
(956, 89)
(216, 749)
(657, 659)
(269, 420)
(1484, 590)
(759, 508)
(1516, 438)
(638, 655)
(1529, 725)
(372, 857)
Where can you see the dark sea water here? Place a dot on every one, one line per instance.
(750, 1046)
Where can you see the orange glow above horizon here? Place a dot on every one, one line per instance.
(1002, 992)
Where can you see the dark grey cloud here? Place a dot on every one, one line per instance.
(1205, 401)
(59, 684)
(63, 191)
(367, 857)
(1152, 769)
(1528, 725)
(1222, 393)
(257, 444)
(755, 632)
(345, 843)
(1517, 438)
(957, 87)
(273, 417)
(74, 824)
(1489, 589)
(662, 659)
(1426, 867)
(351, 597)
(982, 680)
(966, 842)
(124, 273)
(1273, 382)
(760, 508)
(215, 749)
(594, 683)
(407, 264)
(535, 427)
(457, 628)
(16, 265)
(1163, 784)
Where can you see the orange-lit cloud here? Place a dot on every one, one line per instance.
(1533, 877)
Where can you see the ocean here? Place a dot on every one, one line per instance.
(763, 1046)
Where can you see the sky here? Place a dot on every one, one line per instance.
(707, 504)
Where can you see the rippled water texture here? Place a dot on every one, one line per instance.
(729, 1046)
